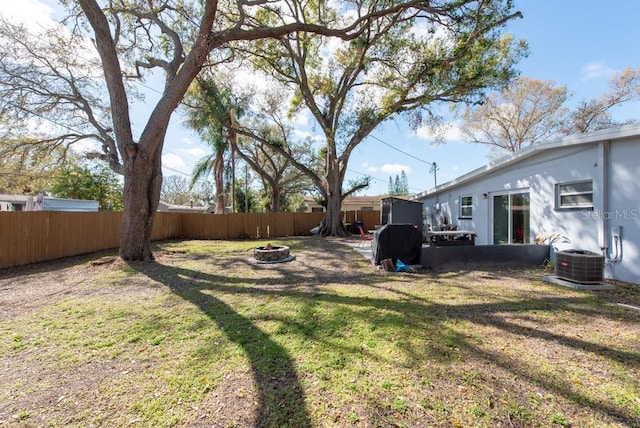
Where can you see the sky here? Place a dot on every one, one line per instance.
(577, 44)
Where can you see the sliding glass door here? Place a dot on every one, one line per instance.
(511, 218)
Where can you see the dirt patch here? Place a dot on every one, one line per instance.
(24, 289)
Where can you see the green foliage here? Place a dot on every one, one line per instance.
(246, 201)
(560, 420)
(27, 167)
(477, 411)
(281, 181)
(93, 182)
(395, 67)
(210, 116)
(22, 415)
(399, 186)
(212, 107)
(400, 405)
(518, 412)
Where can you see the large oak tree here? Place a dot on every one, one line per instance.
(526, 112)
(530, 111)
(405, 63)
(280, 179)
(179, 38)
(596, 113)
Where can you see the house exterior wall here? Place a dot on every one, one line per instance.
(538, 176)
(614, 166)
(624, 208)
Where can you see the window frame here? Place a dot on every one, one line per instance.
(577, 206)
(463, 206)
(524, 193)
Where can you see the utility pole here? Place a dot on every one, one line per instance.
(234, 142)
(433, 170)
(246, 188)
(233, 181)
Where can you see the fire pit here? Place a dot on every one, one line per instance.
(272, 254)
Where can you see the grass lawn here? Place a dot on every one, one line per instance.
(204, 337)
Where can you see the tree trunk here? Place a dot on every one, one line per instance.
(275, 199)
(218, 171)
(142, 184)
(332, 224)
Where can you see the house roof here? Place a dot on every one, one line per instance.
(400, 198)
(13, 198)
(610, 134)
(166, 206)
(353, 199)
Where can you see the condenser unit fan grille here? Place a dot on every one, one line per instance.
(583, 267)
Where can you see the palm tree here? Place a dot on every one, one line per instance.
(210, 110)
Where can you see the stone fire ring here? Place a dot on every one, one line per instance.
(275, 254)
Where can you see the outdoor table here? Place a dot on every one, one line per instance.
(433, 237)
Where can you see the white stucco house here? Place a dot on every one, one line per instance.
(584, 187)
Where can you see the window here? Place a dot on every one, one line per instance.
(466, 206)
(366, 208)
(578, 194)
(317, 209)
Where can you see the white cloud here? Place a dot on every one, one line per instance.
(196, 152)
(449, 132)
(316, 140)
(302, 118)
(86, 146)
(387, 168)
(188, 141)
(302, 135)
(329, 47)
(32, 13)
(596, 70)
(171, 160)
(369, 168)
(395, 168)
(249, 79)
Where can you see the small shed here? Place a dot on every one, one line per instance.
(402, 211)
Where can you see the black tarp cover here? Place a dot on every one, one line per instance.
(397, 241)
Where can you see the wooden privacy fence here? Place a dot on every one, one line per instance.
(29, 237)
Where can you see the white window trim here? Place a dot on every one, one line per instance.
(491, 213)
(582, 206)
(462, 216)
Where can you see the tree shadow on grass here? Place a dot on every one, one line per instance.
(280, 394)
(281, 398)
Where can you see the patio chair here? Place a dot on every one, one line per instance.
(365, 236)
